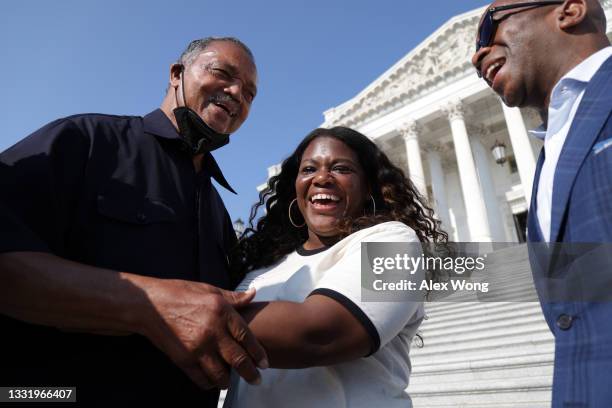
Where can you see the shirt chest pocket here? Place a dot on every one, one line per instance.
(134, 210)
(139, 234)
(121, 201)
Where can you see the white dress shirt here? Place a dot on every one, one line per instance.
(564, 101)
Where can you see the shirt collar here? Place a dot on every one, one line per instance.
(575, 81)
(585, 71)
(158, 124)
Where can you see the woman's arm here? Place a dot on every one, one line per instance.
(333, 325)
(320, 331)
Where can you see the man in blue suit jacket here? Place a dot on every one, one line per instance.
(554, 56)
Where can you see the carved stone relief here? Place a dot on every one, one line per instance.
(444, 57)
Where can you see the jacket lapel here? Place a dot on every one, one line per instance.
(534, 234)
(592, 113)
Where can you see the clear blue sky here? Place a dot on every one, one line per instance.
(72, 56)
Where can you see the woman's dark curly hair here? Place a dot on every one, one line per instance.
(274, 236)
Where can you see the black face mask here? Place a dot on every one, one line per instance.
(199, 136)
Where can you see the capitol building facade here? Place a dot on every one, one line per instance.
(435, 118)
(474, 160)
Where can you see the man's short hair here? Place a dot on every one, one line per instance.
(196, 47)
(598, 15)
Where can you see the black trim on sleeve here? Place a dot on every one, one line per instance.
(307, 252)
(355, 311)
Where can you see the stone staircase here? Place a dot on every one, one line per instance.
(486, 354)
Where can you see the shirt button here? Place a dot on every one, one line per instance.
(141, 217)
(564, 322)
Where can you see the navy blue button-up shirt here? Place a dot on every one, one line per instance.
(117, 192)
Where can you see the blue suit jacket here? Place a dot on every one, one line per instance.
(581, 212)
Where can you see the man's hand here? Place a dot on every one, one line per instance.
(197, 326)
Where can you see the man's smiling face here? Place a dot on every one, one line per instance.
(515, 63)
(220, 85)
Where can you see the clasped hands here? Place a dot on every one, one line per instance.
(198, 327)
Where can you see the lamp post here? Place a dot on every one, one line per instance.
(499, 152)
(239, 227)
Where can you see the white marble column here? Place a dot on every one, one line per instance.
(525, 160)
(438, 185)
(472, 194)
(481, 158)
(410, 132)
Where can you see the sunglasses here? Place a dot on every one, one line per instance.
(488, 25)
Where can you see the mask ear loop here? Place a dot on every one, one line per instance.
(176, 99)
(183, 85)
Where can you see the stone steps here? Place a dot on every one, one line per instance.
(484, 354)
(498, 369)
(489, 318)
(468, 309)
(489, 363)
(483, 336)
(541, 343)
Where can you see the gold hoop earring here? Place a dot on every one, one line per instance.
(291, 220)
(373, 204)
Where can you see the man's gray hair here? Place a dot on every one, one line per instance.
(196, 47)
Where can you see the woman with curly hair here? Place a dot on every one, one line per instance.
(337, 190)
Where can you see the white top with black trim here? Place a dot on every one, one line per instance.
(379, 380)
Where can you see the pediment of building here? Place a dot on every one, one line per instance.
(441, 58)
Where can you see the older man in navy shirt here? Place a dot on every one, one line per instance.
(114, 242)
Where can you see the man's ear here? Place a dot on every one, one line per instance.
(176, 71)
(572, 13)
